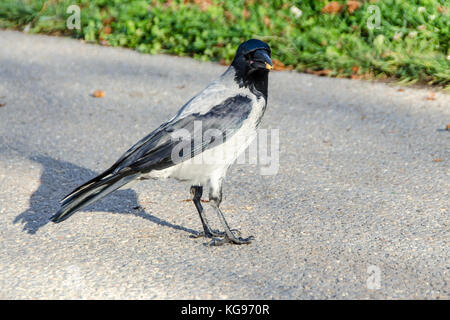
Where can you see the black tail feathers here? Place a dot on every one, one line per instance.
(92, 191)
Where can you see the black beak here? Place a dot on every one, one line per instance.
(261, 60)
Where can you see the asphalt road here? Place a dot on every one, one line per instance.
(359, 207)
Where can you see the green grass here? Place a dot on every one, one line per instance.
(411, 43)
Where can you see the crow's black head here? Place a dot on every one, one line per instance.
(253, 55)
(252, 64)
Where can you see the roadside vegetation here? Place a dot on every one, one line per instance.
(406, 40)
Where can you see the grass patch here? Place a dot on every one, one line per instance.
(408, 40)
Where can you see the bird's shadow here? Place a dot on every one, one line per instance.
(59, 178)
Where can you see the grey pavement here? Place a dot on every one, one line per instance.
(359, 208)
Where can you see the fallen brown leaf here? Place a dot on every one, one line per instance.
(202, 4)
(279, 66)
(352, 6)
(107, 30)
(108, 20)
(332, 7)
(437, 160)
(447, 127)
(401, 90)
(229, 16)
(98, 94)
(246, 13)
(168, 3)
(2, 104)
(355, 69)
(431, 96)
(443, 10)
(267, 21)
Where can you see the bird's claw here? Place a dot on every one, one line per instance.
(213, 234)
(208, 234)
(233, 240)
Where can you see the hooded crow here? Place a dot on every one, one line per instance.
(198, 144)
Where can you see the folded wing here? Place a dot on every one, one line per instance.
(154, 152)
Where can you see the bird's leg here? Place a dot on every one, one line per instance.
(196, 192)
(215, 197)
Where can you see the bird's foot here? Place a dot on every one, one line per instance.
(208, 234)
(231, 239)
(212, 234)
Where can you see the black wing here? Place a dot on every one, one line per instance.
(155, 150)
